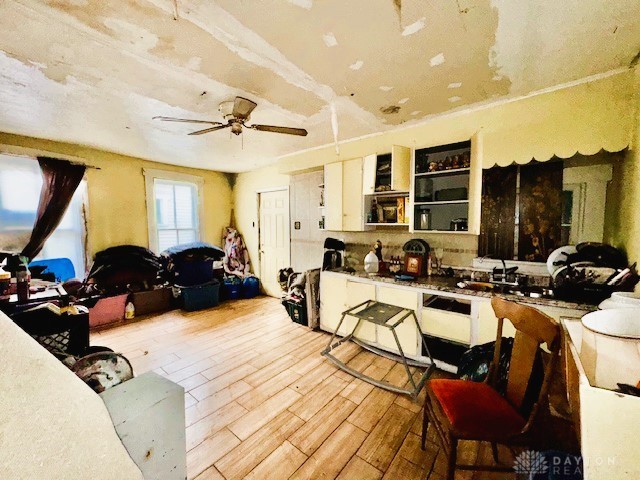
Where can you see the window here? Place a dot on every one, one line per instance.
(20, 184)
(173, 209)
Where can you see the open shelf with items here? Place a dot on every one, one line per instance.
(444, 187)
(388, 209)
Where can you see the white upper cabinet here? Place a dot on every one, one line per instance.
(343, 196)
(333, 196)
(387, 172)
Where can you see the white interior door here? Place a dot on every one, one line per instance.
(274, 238)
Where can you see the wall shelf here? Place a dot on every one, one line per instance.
(389, 224)
(451, 171)
(389, 193)
(442, 202)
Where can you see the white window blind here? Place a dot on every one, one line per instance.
(20, 184)
(176, 206)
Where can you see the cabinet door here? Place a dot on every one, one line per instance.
(369, 174)
(333, 196)
(407, 331)
(333, 291)
(400, 168)
(356, 293)
(352, 201)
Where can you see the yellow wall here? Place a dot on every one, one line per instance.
(245, 204)
(117, 212)
(628, 221)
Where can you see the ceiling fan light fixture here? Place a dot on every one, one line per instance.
(236, 128)
(226, 109)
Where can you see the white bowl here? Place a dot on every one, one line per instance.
(610, 303)
(621, 322)
(629, 298)
(610, 352)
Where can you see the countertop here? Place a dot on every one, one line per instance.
(448, 284)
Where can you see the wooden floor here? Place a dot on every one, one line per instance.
(261, 402)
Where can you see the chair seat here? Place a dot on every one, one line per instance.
(475, 410)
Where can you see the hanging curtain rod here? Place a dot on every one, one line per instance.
(71, 162)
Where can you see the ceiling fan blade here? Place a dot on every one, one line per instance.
(207, 130)
(243, 107)
(288, 130)
(184, 120)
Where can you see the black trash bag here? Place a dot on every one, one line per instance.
(474, 363)
(474, 366)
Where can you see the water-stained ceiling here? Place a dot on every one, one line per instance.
(95, 72)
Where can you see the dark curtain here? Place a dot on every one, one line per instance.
(59, 182)
(498, 224)
(540, 210)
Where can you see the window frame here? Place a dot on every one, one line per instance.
(150, 176)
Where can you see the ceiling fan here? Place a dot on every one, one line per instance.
(235, 112)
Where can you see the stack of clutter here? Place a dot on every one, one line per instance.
(590, 272)
(118, 281)
(123, 269)
(293, 297)
(190, 269)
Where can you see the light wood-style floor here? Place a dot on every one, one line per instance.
(262, 403)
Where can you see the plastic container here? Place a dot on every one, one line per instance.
(188, 273)
(297, 312)
(199, 297)
(22, 283)
(250, 287)
(129, 311)
(231, 289)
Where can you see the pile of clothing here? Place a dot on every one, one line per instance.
(122, 269)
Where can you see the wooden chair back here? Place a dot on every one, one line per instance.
(533, 328)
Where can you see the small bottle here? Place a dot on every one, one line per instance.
(374, 211)
(129, 311)
(22, 282)
(429, 264)
(5, 284)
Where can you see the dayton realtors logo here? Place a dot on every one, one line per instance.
(560, 465)
(531, 462)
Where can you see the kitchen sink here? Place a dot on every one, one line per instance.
(521, 291)
(477, 286)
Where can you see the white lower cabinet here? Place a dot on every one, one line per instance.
(333, 297)
(477, 325)
(407, 331)
(356, 294)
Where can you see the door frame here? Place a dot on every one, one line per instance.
(288, 239)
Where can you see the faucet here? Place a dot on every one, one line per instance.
(493, 274)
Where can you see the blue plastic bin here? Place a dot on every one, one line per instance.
(250, 287)
(199, 297)
(188, 273)
(231, 289)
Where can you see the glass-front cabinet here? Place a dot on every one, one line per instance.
(445, 191)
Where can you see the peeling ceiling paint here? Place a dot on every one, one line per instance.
(414, 27)
(437, 60)
(329, 39)
(94, 72)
